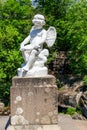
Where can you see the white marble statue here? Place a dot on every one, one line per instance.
(35, 56)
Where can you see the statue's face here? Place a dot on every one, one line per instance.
(38, 20)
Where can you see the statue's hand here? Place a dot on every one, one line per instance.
(22, 49)
(37, 47)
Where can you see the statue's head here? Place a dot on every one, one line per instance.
(39, 20)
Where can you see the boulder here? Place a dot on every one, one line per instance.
(67, 99)
(83, 103)
(1, 107)
(77, 116)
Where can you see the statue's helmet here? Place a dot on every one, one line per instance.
(38, 18)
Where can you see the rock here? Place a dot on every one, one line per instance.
(77, 86)
(6, 113)
(78, 116)
(67, 98)
(78, 96)
(45, 120)
(39, 128)
(18, 119)
(54, 120)
(11, 128)
(51, 127)
(83, 103)
(1, 107)
(50, 114)
(6, 110)
(72, 99)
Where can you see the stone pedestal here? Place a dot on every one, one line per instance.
(34, 103)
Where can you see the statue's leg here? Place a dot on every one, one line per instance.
(25, 55)
(31, 60)
(27, 52)
(43, 55)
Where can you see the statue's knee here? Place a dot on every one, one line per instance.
(34, 52)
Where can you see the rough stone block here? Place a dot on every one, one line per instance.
(51, 127)
(34, 100)
(34, 127)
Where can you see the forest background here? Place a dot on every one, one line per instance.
(69, 17)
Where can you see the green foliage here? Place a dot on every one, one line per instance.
(77, 37)
(78, 110)
(85, 80)
(55, 12)
(71, 111)
(15, 23)
(69, 18)
(59, 84)
(54, 8)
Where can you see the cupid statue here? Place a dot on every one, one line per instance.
(35, 56)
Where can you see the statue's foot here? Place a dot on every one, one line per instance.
(20, 72)
(25, 68)
(38, 71)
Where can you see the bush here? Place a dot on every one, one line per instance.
(71, 111)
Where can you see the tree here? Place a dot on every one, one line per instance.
(55, 12)
(69, 17)
(15, 22)
(77, 37)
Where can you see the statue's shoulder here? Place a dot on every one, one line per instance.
(43, 30)
(32, 29)
(51, 36)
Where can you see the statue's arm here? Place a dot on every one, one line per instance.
(26, 40)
